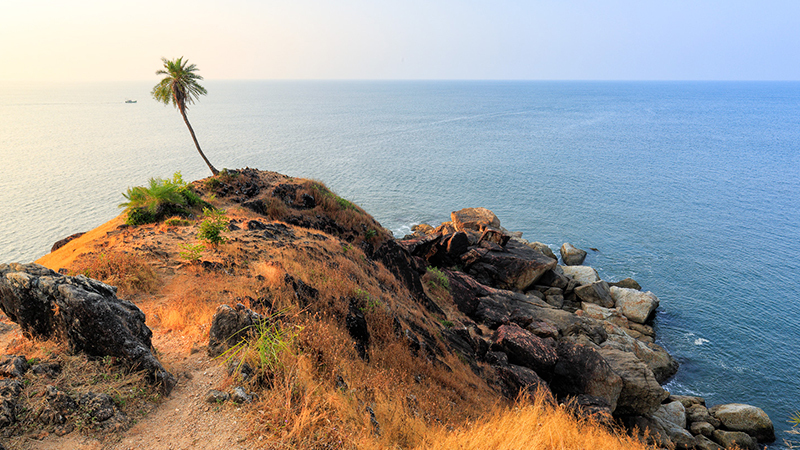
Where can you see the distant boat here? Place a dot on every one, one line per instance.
(130, 101)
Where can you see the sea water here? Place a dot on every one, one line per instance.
(691, 188)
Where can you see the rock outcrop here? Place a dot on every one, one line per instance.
(83, 312)
(571, 255)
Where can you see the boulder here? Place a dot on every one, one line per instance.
(526, 349)
(572, 256)
(635, 305)
(581, 274)
(734, 439)
(598, 293)
(641, 394)
(687, 400)
(13, 366)
(83, 312)
(518, 378)
(501, 307)
(591, 407)
(628, 283)
(657, 359)
(474, 219)
(543, 248)
(582, 370)
(10, 390)
(749, 419)
(516, 268)
(697, 413)
(701, 428)
(229, 326)
(58, 405)
(673, 413)
(701, 442)
(554, 278)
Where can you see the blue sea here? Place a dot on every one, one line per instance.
(691, 188)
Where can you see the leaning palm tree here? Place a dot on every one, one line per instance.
(180, 87)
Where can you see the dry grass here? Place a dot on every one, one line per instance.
(131, 273)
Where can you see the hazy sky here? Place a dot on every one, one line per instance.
(94, 40)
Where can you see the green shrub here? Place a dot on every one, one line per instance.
(212, 227)
(176, 222)
(191, 252)
(160, 199)
(438, 278)
(263, 347)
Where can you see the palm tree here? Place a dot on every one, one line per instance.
(180, 88)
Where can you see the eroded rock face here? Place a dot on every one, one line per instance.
(582, 370)
(641, 394)
(85, 313)
(749, 419)
(517, 267)
(526, 349)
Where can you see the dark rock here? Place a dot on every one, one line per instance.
(239, 395)
(304, 293)
(516, 268)
(356, 325)
(402, 265)
(543, 248)
(701, 442)
(376, 427)
(701, 428)
(526, 349)
(582, 370)
(731, 439)
(256, 225)
(572, 256)
(257, 206)
(641, 394)
(64, 241)
(340, 383)
(542, 329)
(100, 407)
(518, 378)
(13, 366)
(230, 326)
(215, 396)
(58, 405)
(465, 291)
(591, 407)
(496, 237)
(554, 278)
(308, 201)
(51, 369)
(556, 301)
(457, 244)
(10, 390)
(627, 283)
(597, 293)
(424, 246)
(285, 192)
(497, 358)
(84, 312)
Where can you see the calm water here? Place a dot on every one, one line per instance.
(691, 188)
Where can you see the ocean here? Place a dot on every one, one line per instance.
(691, 188)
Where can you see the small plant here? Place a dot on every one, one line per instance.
(211, 228)
(263, 348)
(346, 248)
(446, 323)
(794, 419)
(160, 199)
(371, 233)
(438, 278)
(192, 252)
(176, 222)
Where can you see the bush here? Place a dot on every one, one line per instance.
(160, 199)
(211, 228)
(438, 278)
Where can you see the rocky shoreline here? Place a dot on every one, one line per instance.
(563, 329)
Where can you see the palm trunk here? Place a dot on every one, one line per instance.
(214, 171)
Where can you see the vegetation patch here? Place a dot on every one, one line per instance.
(212, 226)
(160, 199)
(127, 271)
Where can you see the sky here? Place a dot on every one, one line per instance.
(122, 40)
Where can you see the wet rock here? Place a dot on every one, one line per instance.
(583, 370)
(526, 349)
(598, 293)
(628, 283)
(572, 256)
(229, 326)
(749, 419)
(85, 313)
(641, 394)
(635, 305)
(13, 366)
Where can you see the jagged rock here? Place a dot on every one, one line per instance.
(500, 307)
(516, 268)
(100, 407)
(628, 283)
(635, 305)
(356, 325)
(749, 419)
(63, 242)
(544, 248)
(57, 407)
(641, 394)
(10, 390)
(526, 349)
(581, 274)
(518, 378)
(474, 219)
(215, 396)
(701, 428)
(84, 312)
(734, 439)
(582, 370)
(304, 293)
(455, 245)
(240, 395)
(555, 277)
(597, 293)
(465, 291)
(572, 256)
(701, 442)
(13, 366)
(657, 359)
(229, 326)
(402, 265)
